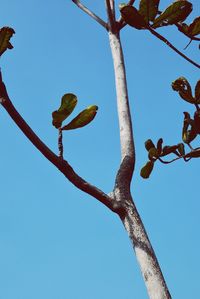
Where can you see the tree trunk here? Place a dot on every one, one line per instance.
(154, 280)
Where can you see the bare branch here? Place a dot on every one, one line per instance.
(187, 45)
(91, 14)
(131, 2)
(61, 164)
(111, 14)
(162, 38)
(60, 143)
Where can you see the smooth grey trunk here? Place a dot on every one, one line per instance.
(154, 280)
(125, 125)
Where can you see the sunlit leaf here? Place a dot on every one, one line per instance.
(5, 35)
(176, 12)
(149, 144)
(148, 9)
(82, 119)
(147, 169)
(132, 17)
(194, 27)
(197, 92)
(184, 89)
(68, 103)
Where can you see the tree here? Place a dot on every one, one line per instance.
(121, 195)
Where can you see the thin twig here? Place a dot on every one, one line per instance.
(62, 165)
(91, 14)
(121, 22)
(187, 44)
(190, 146)
(162, 38)
(60, 143)
(112, 6)
(186, 157)
(168, 162)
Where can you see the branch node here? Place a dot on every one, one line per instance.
(91, 14)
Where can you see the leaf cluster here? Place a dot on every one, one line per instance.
(68, 103)
(148, 16)
(190, 130)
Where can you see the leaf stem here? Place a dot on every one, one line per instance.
(168, 162)
(162, 38)
(188, 44)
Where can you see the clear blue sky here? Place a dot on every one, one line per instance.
(55, 241)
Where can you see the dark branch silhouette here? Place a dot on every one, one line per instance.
(61, 164)
(163, 39)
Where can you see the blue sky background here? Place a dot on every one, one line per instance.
(55, 241)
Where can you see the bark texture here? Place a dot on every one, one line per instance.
(152, 274)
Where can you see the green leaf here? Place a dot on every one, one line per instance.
(147, 169)
(183, 28)
(194, 27)
(149, 144)
(68, 103)
(82, 119)
(184, 89)
(159, 146)
(5, 35)
(188, 135)
(181, 149)
(176, 12)
(169, 150)
(148, 9)
(197, 92)
(132, 17)
(153, 154)
(193, 154)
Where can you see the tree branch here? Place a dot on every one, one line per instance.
(61, 164)
(60, 143)
(162, 38)
(111, 14)
(91, 14)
